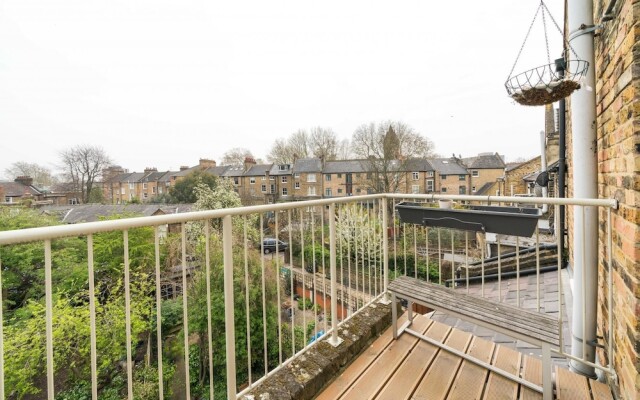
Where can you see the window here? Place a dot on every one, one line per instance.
(443, 190)
(416, 176)
(327, 177)
(159, 189)
(311, 177)
(273, 189)
(311, 191)
(122, 191)
(263, 178)
(297, 185)
(338, 176)
(272, 178)
(430, 174)
(296, 175)
(430, 185)
(473, 189)
(462, 190)
(131, 186)
(358, 190)
(327, 192)
(285, 192)
(284, 167)
(144, 185)
(8, 199)
(283, 179)
(443, 177)
(339, 191)
(252, 180)
(415, 189)
(236, 180)
(145, 195)
(263, 188)
(462, 177)
(153, 190)
(168, 184)
(475, 173)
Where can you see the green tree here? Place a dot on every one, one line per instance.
(183, 190)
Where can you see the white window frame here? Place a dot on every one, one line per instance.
(327, 192)
(252, 180)
(285, 192)
(473, 189)
(297, 185)
(416, 176)
(283, 179)
(430, 185)
(264, 188)
(430, 174)
(311, 178)
(132, 186)
(154, 190)
(144, 185)
(443, 190)
(296, 175)
(415, 189)
(475, 173)
(236, 180)
(311, 191)
(327, 177)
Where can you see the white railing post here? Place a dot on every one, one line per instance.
(334, 340)
(230, 335)
(1, 337)
(385, 251)
(49, 318)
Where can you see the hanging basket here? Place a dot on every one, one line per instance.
(544, 85)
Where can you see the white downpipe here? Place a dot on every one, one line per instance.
(585, 184)
(543, 167)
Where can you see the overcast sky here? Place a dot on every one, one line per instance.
(163, 83)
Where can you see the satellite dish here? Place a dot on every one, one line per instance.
(543, 179)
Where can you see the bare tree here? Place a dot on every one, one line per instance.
(236, 156)
(42, 176)
(344, 150)
(386, 148)
(82, 165)
(287, 151)
(323, 143)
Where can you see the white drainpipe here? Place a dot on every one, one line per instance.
(585, 185)
(543, 167)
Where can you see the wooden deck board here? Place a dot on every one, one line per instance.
(531, 371)
(437, 381)
(470, 381)
(409, 375)
(344, 381)
(383, 372)
(374, 378)
(499, 387)
(570, 386)
(600, 391)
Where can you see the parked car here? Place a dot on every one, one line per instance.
(269, 245)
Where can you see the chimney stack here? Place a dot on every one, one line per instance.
(207, 163)
(25, 180)
(249, 162)
(149, 170)
(184, 167)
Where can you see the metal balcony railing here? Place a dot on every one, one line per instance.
(340, 254)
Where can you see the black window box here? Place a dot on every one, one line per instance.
(503, 220)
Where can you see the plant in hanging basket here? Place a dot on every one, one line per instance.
(544, 85)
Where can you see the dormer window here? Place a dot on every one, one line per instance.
(284, 167)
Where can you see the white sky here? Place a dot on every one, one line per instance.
(164, 83)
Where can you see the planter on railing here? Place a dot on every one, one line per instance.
(503, 220)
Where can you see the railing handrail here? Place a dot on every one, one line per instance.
(85, 228)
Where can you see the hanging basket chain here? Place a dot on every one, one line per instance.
(525, 39)
(564, 39)
(544, 24)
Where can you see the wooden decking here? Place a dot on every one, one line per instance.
(409, 368)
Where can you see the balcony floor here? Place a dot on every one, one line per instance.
(412, 369)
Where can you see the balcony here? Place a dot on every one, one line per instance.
(100, 321)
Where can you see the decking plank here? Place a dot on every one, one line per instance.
(499, 387)
(344, 381)
(470, 381)
(383, 367)
(600, 391)
(408, 376)
(570, 386)
(532, 372)
(437, 381)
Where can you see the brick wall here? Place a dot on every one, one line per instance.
(617, 69)
(514, 176)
